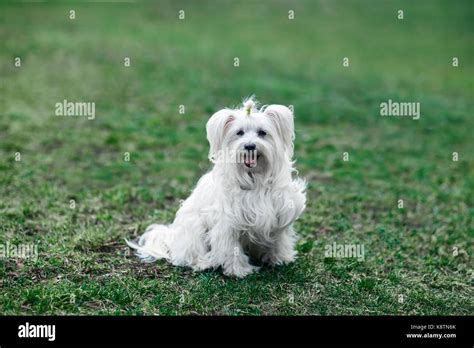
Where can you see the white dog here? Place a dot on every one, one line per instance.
(245, 206)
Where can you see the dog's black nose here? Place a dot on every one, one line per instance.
(250, 147)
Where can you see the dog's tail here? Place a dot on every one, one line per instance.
(154, 244)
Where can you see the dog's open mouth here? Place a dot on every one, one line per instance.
(251, 158)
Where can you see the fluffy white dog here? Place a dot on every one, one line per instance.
(245, 206)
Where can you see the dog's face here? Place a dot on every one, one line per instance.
(255, 141)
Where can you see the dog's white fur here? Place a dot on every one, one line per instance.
(239, 209)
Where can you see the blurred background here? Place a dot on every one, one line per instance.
(190, 62)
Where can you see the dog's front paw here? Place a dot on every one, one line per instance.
(280, 258)
(240, 268)
(204, 263)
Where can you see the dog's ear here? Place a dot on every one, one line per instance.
(283, 119)
(216, 128)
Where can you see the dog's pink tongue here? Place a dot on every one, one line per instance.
(250, 162)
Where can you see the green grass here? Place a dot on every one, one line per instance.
(84, 267)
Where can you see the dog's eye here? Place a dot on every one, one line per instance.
(261, 133)
(240, 133)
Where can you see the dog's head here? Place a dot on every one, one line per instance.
(254, 140)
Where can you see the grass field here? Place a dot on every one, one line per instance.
(418, 260)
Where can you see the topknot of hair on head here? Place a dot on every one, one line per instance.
(249, 104)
